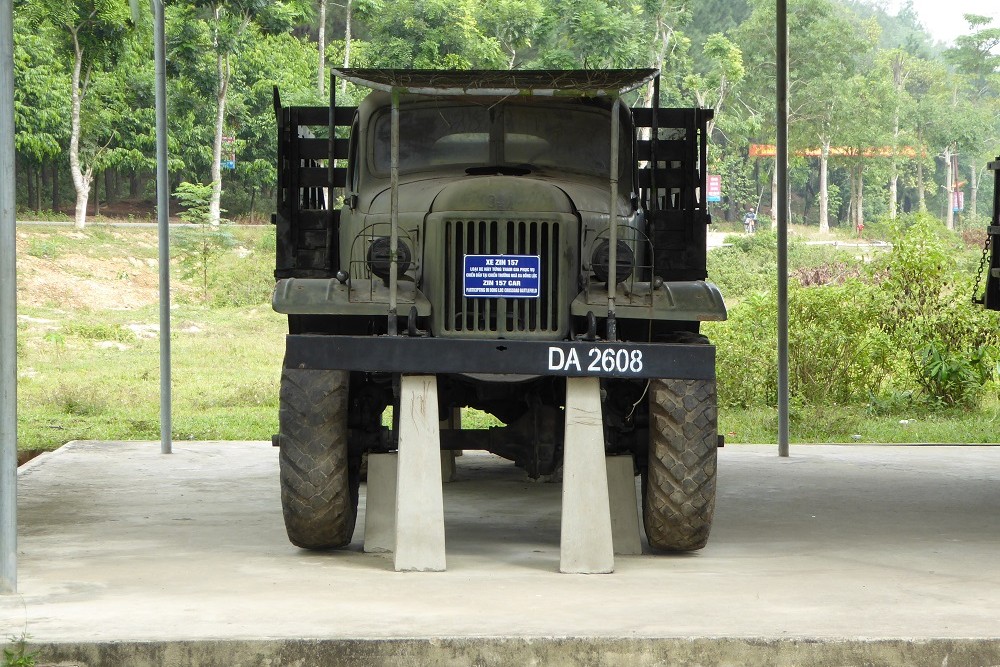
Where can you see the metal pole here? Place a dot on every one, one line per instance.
(782, 211)
(8, 310)
(162, 217)
(393, 210)
(612, 332)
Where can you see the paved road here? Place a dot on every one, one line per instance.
(838, 555)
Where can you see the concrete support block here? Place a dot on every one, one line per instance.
(453, 423)
(380, 503)
(419, 496)
(624, 508)
(585, 545)
(447, 466)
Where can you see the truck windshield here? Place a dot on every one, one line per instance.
(508, 134)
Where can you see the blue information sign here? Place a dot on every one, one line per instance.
(506, 276)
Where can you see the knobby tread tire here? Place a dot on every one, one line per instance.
(319, 496)
(679, 493)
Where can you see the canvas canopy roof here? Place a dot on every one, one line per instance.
(587, 83)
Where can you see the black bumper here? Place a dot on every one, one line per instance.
(399, 354)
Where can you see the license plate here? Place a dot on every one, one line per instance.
(602, 360)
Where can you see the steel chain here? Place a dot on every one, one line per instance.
(979, 273)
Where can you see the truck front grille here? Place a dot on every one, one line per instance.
(542, 317)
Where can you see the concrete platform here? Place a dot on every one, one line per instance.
(839, 555)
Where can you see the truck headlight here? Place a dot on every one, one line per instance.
(600, 260)
(379, 257)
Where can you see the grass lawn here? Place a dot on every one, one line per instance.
(88, 351)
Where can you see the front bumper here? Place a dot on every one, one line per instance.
(400, 354)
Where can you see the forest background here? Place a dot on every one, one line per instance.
(887, 128)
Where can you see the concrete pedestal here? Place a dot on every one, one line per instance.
(453, 423)
(624, 508)
(585, 544)
(419, 497)
(448, 469)
(380, 503)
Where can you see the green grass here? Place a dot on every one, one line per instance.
(226, 367)
(86, 372)
(827, 424)
(92, 373)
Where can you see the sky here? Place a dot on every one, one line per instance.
(943, 18)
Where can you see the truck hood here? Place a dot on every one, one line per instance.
(535, 192)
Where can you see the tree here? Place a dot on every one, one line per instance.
(512, 23)
(976, 57)
(429, 34)
(321, 43)
(91, 33)
(271, 60)
(897, 60)
(827, 46)
(724, 71)
(595, 34)
(223, 28)
(121, 118)
(926, 110)
(868, 94)
(41, 103)
(822, 81)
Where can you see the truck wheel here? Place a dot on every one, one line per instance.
(319, 480)
(679, 489)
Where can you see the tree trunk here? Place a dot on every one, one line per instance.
(44, 183)
(824, 192)
(81, 176)
(222, 80)
(949, 188)
(921, 194)
(774, 195)
(56, 202)
(894, 169)
(852, 197)
(899, 83)
(662, 39)
(32, 192)
(321, 42)
(253, 196)
(109, 186)
(893, 193)
(133, 185)
(861, 197)
(347, 42)
(973, 190)
(921, 198)
(97, 196)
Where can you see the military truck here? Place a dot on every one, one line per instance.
(502, 231)
(990, 262)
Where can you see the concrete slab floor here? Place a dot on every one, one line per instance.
(869, 550)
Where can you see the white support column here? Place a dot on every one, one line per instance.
(448, 466)
(380, 503)
(419, 496)
(624, 508)
(585, 544)
(452, 423)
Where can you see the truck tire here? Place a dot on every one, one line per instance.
(319, 480)
(679, 489)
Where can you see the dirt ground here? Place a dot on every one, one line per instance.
(76, 281)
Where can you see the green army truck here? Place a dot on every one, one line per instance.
(990, 263)
(502, 231)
